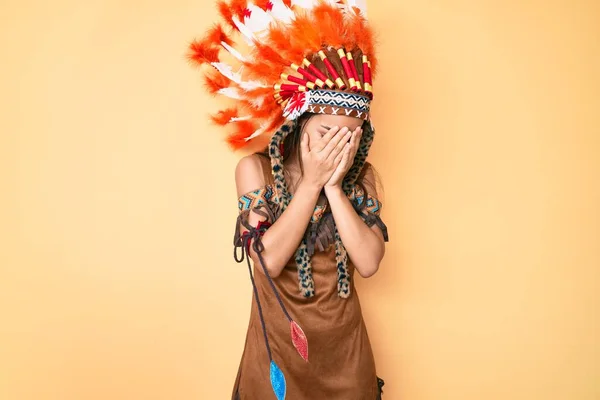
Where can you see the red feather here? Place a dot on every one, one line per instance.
(288, 3)
(202, 52)
(224, 116)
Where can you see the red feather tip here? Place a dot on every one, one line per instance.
(238, 7)
(217, 35)
(224, 116)
(202, 52)
(288, 3)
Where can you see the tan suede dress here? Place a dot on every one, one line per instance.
(340, 360)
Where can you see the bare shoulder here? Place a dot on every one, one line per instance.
(249, 174)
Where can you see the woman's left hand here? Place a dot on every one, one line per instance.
(347, 159)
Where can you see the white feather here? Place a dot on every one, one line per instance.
(232, 93)
(246, 33)
(281, 12)
(259, 19)
(307, 4)
(235, 119)
(233, 52)
(227, 71)
(251, 85)
(259, 102)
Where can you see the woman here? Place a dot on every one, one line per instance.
(309, 214)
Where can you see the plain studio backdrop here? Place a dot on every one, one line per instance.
(118, 204)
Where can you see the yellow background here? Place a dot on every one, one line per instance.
(118, 204)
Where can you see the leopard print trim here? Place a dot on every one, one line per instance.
(281, 193)
(283, 198)
(341, 258)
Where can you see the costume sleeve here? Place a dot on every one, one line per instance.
(257, 202)
(369, 209)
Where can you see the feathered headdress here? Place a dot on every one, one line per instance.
(295, 56)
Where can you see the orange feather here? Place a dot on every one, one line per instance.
(361, 35)
(279, 40)
(224, 116)
(264, 4)
(304, 34)
(226, 13)
(330, 21)
(260, 92)
(275, 123)
(261, 70)
(267, 53)
(238, 7)
(213, 82)
(202, 52)
(243, 130)
(217, 35)
(268, 109)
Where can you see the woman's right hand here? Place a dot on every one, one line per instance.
(321, 159)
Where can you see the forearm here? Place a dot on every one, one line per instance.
(282, 238)
(364, 246)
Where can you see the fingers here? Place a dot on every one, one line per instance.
(304, 148)
(340, 165)
(339, 158)
(346, 160)
(355, 141)
(320, 145)
(336, 144)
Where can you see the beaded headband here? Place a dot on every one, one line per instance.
(327, 102)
